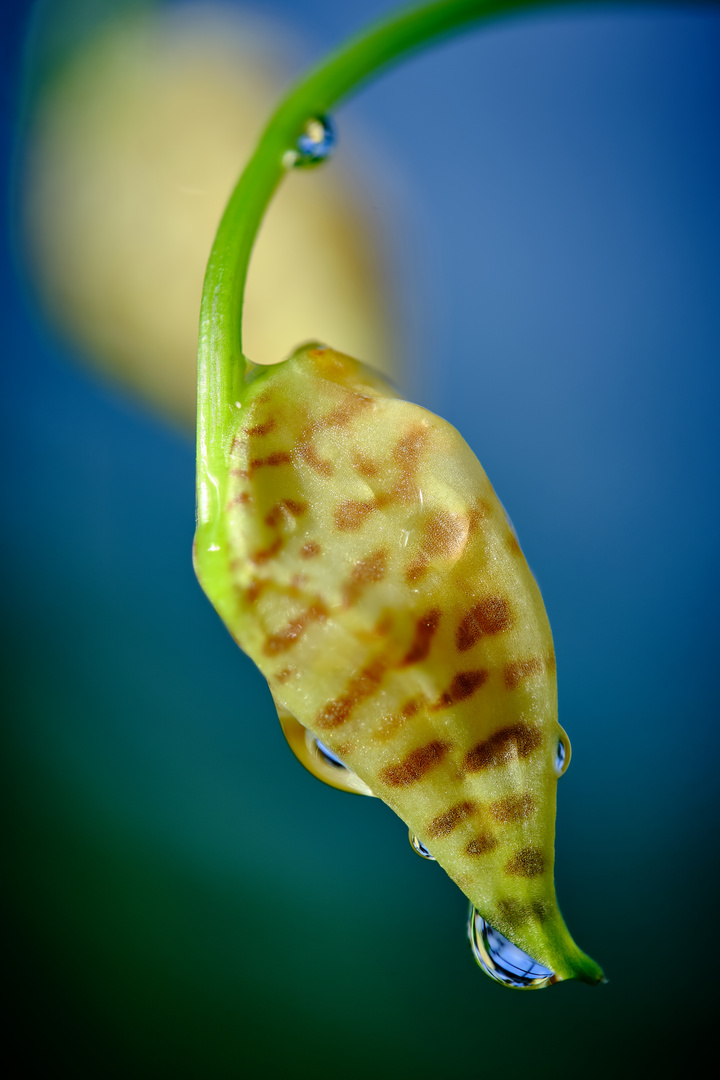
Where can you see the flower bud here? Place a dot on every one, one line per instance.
(374, 578)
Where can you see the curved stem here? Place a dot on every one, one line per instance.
(221, 364)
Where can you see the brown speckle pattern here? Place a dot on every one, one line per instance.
(424, 633)
(284, 511)
(528, 862)
(514, 912)
(280, 457)
(365, 466)
(365, 572)
(517, 670)
(306, 452)
(350, 514)
(416, 570)
(408, 449)
(265, 554)
(359, 688)
(489, 616)
(415, 764)
(286, 638)
(513, 808)
(342, 414)
(444, 823)
(506, 745)
(463, 686)
(254, 589)
(389, 725)
(481, 844)
(445, 534)
(263, 428)
(480, 512)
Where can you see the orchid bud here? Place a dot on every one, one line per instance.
(370, 571)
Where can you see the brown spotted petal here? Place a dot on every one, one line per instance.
(374, 579)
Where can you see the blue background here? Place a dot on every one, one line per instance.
(183, 900)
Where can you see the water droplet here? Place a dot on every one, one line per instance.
(315, 144)
(330, 768)
(417, 845)
(318, 758)
(562, 754)
(327, 754)
(502, 960)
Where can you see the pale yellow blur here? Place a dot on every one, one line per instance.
(134, 150)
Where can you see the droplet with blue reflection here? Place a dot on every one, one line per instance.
(417, 845)
(502, 960)
(315, 144)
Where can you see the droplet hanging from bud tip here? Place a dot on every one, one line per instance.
(502, 960)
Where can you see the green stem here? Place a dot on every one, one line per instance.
(221, 364)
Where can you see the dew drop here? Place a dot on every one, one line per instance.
(502, 960)
(418, 846)
(330, 768)
(328, 756)
(318, 758)
(562, 754)
(315, 144)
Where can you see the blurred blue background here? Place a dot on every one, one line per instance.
(182, 898)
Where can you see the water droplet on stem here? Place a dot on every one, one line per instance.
(502, 960)
(315, 144)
